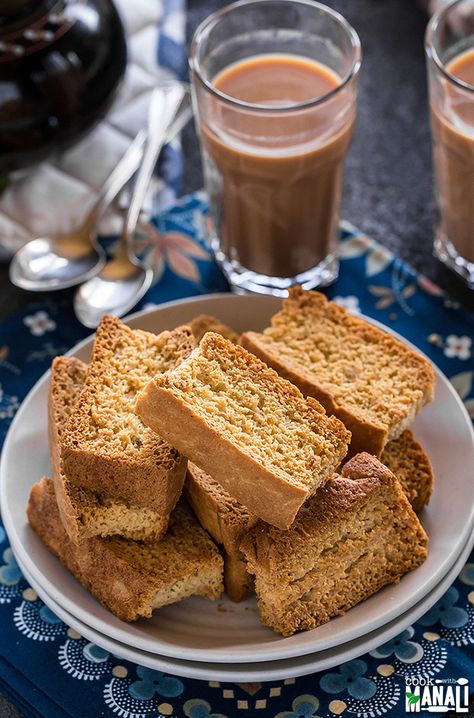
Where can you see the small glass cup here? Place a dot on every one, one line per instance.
(273, 170)
(449, 45)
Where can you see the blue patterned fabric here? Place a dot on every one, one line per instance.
(50, 671)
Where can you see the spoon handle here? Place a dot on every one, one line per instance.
(164, 104)
(182, 118)
(122, 172)
(130, 162)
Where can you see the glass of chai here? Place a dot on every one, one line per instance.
(274, 91)
(450, 58)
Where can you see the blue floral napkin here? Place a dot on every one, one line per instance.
(49, 671)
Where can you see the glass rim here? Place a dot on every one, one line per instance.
(208, 23)
(431, 36)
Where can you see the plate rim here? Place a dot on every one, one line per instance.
(238, 655)
(210, 671)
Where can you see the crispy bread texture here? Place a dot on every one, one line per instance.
(372, 382)
(85, 513)
(132, 578)
(357, 534)
(205, 323)
(227, 522)
(106, 447)
(251, 430)
(406, 458)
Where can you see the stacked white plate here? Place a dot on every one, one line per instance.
(222, 640)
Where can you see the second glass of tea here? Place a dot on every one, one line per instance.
(450, 59)
(275, 89)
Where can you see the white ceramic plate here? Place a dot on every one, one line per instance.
(225, 632)
(266, 670)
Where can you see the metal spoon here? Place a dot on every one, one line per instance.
(61, 261)
(124, 280)
(51, 263)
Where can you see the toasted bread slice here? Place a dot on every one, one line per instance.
(227, 521)
(85, 513)
(205, 323)
(406, 458)
(238, 582)
(354, 536)
(131, 578)
(248, 428)
(372, 382)
(105, 447)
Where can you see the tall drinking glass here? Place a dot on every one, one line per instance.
(450, 59)
(274, 90)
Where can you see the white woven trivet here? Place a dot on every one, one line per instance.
(53, 196)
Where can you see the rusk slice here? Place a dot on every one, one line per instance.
(357, 534)
(205, 323)
(227, 521)
(251, 430)
(131, 578)
(85, 513)
(105, 447)
(406, 458)
(371, 381)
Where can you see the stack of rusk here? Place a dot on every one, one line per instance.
(112, 512)
(267, 422)
(265, 426)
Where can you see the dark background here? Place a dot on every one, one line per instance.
(388, 191)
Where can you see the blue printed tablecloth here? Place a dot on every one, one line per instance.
(51, 672)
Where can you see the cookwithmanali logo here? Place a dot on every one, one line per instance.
(436, 696)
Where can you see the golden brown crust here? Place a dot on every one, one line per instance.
(218, 512)
(129, 578)
(85, 513)
(67, 379)
(142, 469)
(227, 522)
(204, 503)
(275, 500)
(206, 323)
(291, 346)
(355, 535)
(406, 458)
(364, 466)
(156, 486)
(238, 583)
(171, 406)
